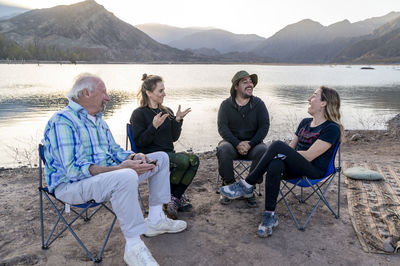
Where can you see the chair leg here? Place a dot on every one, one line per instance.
(99, 257)
(41, 219)
(216, 185)
(338, 210)
(290, 211)
(68, 226)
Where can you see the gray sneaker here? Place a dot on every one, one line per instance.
(252, 202)
(237, 190)
(269, 221)
(224, 200)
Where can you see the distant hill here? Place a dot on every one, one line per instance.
(382, 46)
(308, 41)
(220, 40)
(88, 30)
(165, 33)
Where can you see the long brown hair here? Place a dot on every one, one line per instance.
(149, 84)
(332, 108)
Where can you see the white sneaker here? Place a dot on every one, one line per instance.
(165, 225)
(139, 255)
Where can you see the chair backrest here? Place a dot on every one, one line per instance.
(41, 153)
(41, 159)
(331, 167)
(129, 134)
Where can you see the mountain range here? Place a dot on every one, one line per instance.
(90, 32)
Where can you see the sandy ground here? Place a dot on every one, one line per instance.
(216, 234)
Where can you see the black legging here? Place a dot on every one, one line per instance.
(293, 166)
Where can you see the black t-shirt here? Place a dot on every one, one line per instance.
(328, 131)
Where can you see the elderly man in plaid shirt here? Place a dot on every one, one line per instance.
(83, 162)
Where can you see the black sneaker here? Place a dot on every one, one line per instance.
(252, 202)
(184, 204)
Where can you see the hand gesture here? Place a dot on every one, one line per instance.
(159, 119)
(180, 115)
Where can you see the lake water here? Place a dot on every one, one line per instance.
(30, 94)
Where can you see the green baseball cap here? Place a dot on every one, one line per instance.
(242, 74)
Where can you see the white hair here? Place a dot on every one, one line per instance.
(83, 81)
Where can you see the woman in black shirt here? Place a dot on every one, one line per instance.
(156, 128)
(308, 154)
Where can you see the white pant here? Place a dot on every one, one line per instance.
(120, 187)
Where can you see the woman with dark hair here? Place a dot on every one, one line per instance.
(156, 128)
(308, 154)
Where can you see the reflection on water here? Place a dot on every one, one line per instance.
(29, 95)
(382, 97)
(21, 106)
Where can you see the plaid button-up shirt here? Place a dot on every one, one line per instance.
(72, 142)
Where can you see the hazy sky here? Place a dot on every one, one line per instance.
(262, 17)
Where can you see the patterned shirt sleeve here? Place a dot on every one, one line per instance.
(118, 153)
(65, 148)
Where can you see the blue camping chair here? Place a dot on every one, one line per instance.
(318, 187)
(129, 136)
(78, 211)
(240, 168)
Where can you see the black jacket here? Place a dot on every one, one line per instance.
(147, 138)
(246, 123)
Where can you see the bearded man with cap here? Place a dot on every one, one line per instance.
(243, 123)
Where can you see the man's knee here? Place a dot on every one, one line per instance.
(162, 157)
(226, 150)
(259, 150)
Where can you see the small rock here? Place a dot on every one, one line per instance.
(355, 137)
(387, 245)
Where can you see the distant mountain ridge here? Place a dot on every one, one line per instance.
(88, 28)
(306, 41)
(87, 31)
(296, 42)
(166, 34)
(382, 46)
(221, 40)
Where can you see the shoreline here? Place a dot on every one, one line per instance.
(360, 137)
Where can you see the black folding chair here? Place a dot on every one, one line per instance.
(317, 186)
(84, 211)
(129, 136)
(241, 167)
